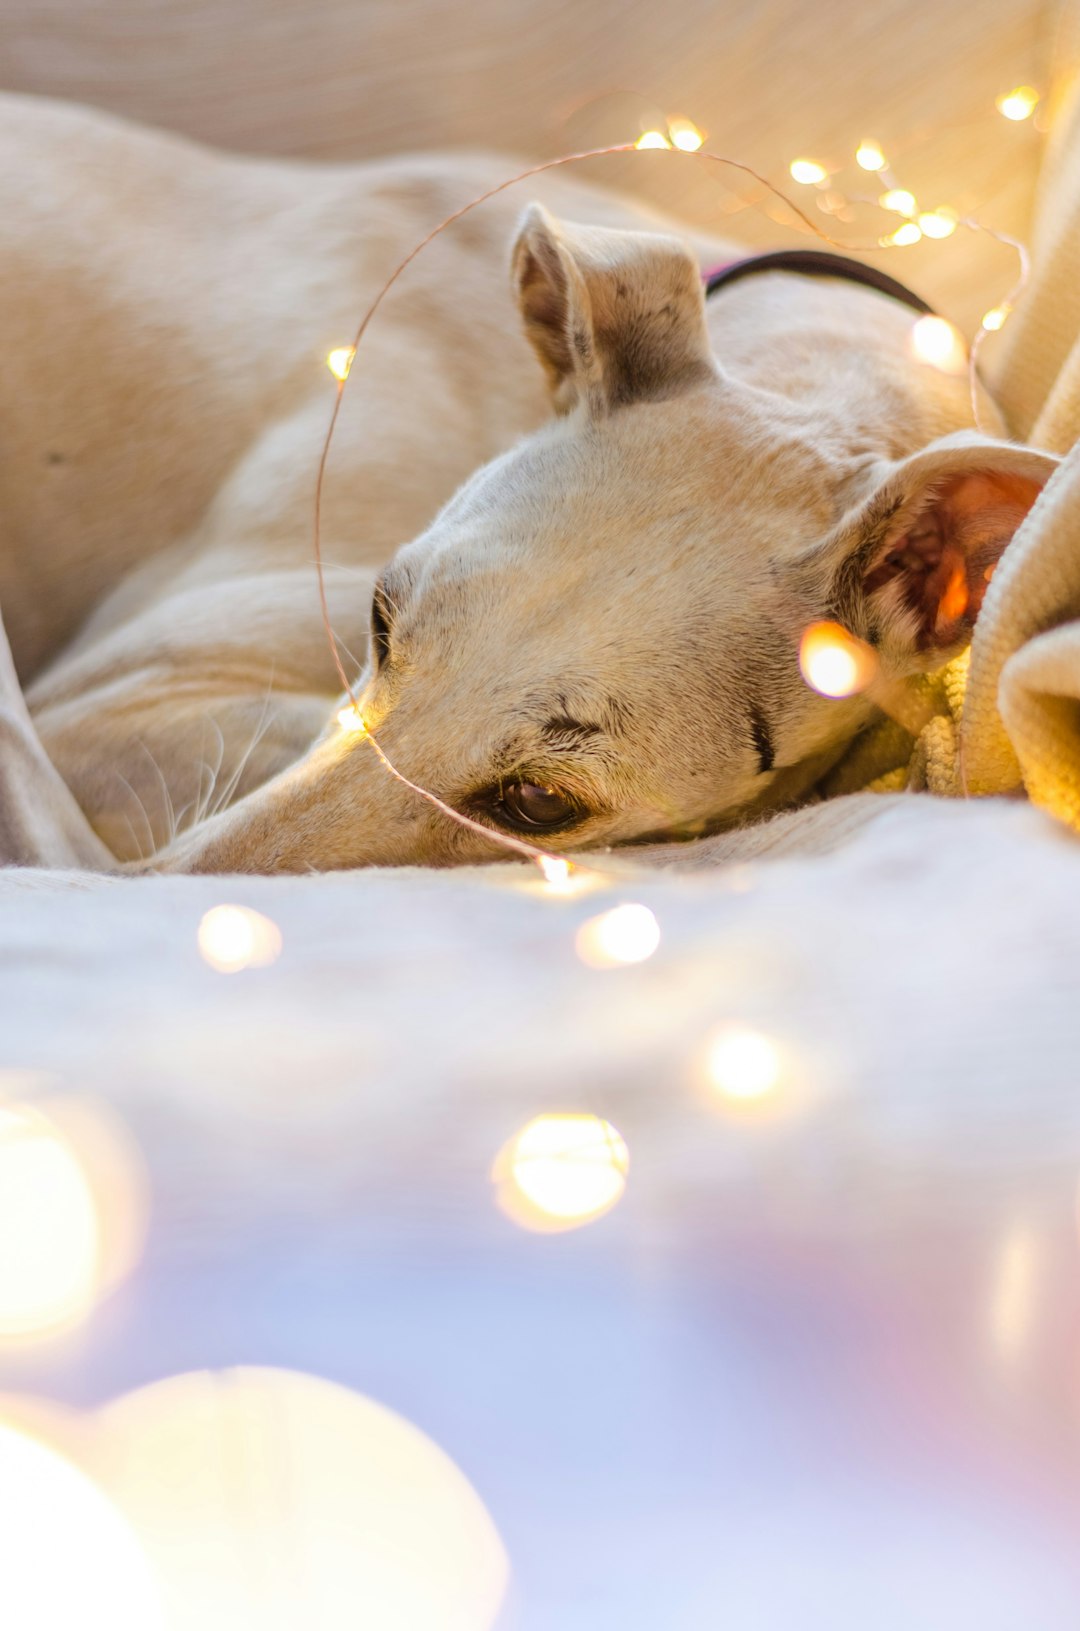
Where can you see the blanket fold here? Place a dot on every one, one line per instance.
(1006, 715)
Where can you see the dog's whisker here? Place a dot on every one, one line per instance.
(169, 812)
(135, 841)
(225, 797)
(204, 797)
(145, 816)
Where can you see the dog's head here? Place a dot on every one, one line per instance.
(597, 639)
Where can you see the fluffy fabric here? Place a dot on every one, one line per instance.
(1007, 714)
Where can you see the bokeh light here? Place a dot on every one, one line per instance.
(652, 138)
(1019, 103)
(868, 156)
(938, 223)
(685, 135)
(936, 341)
(340, 361)
(1012, 1298)
(68, 1558)
(351, 720)
(834, 662)
(909, 233)
(272, 1499)
(561, 1171)
(996, 318)
(232, 938)
(743, 1064)
(556, 871)
(899, 200)
(50, 1230)
(808, 172)
(626, 934)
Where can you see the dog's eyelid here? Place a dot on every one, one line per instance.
(490, 801)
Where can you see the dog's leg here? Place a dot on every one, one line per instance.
(40, 822)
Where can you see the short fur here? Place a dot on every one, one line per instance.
(605, 599)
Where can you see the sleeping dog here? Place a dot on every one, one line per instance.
(601, 555)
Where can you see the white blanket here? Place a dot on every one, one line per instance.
(817, 1366)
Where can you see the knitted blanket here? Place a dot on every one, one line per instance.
(1006, 714)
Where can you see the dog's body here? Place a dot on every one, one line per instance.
(595, 640)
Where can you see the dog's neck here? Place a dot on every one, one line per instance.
(841, 353)
(814, 263)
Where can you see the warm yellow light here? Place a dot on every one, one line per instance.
(351, 720)
(899, 200)
(340, 361)
(626, 934)
(1018, 104)
(807, 171)
(556, 871)
(743, 1064)
(69, 1558)
(996, 317)
(1013, 1300)
(834, 662)
(275, 1500)
(936, 341)
(933, 224)
(652, 138)
(561, 1171)
(234, 937)
(685, 135)
(868, 156)
(909, 233)
(50, 1230)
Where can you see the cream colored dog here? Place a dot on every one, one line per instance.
(592, 641)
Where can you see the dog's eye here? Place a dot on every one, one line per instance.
(527, 804)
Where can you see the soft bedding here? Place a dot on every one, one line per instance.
(816, 1366)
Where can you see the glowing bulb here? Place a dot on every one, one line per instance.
(561, 1171)
(340, 361)
(50, 1230)
(351, 720)
(834, 662)
(807, 171)
(556, 871)
(1018, 104)
(868, 156)
(996, 317)
(935, 340)
(234, 937)
(652, 138)
(626, 934)
(70, 1559)
(743, 1064)
(909, 233)
(936, 224)
(685, 135)
(899, 200)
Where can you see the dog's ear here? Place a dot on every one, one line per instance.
(613, 316)
(916, 557)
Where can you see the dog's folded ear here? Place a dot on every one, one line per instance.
(613, 316)
(913, 561)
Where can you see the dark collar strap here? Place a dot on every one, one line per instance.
(814, 263)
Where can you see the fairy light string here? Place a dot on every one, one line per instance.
(684, 139)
